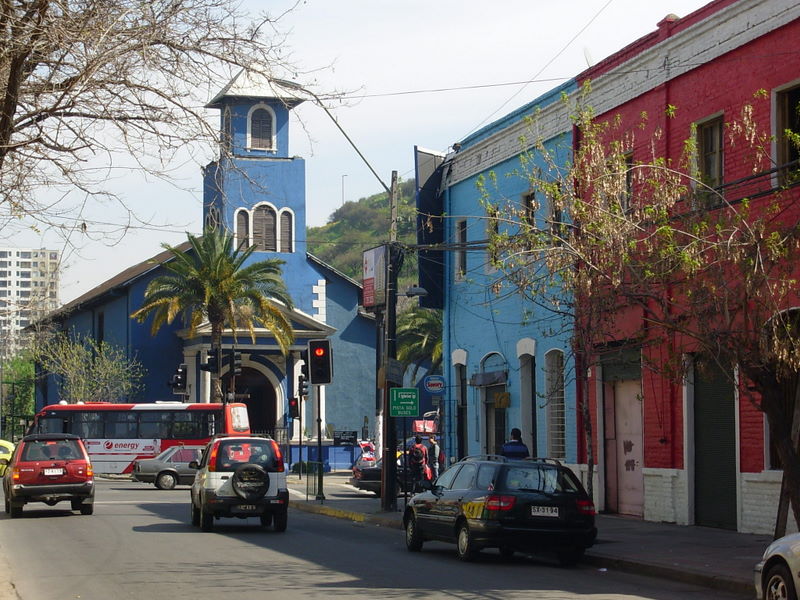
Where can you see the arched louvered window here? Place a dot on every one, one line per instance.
(242, 229)
(261, 129)
(286, 231)
(264, 233)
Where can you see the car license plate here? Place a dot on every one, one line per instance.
(247, 507)
(544, 511)
(54, 471)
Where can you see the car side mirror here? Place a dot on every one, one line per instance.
(194, 465)
(437, 490)
(3, 461)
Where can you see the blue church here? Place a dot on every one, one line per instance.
(256, 190)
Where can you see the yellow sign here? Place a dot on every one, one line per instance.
(502, 400)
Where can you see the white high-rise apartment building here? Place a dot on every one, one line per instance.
(28, 291)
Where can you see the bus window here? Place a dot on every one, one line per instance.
(154, 424)
(87, 424)
(189, 425)
(120, 425)
(54, 424)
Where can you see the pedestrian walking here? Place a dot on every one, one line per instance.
(418, 459)
(435, 458)
(515, 447)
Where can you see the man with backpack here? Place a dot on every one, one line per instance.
(418, 459)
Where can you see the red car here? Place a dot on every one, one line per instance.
(49, 468)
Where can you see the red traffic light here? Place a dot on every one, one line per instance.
(320, 368)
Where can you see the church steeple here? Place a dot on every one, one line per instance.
(255, 189)
(254, 117)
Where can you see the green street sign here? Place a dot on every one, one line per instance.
(403, 402)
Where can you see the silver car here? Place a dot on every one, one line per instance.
(776, 576)
(169, 468)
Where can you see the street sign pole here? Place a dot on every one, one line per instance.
(320, 494)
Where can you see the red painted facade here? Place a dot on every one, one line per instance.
(722, 86)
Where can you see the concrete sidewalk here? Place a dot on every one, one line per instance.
(714, 558)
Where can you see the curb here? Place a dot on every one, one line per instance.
(635, 567)
(321, 509)
(666, 572)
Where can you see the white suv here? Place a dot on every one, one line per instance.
(240, 476)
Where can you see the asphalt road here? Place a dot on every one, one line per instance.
(140, 544)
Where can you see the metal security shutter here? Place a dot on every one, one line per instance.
(714, 449)
(286, 232)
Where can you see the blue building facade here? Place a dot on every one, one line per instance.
(255, 190)
(507, 360)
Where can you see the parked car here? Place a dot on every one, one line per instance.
(368, 478)
(367, 456)
(531, 505)
(240, 476)
(6, 449)
(49, 468)
(777, 576)
(169, 468)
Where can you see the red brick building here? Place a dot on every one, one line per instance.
(694, 452)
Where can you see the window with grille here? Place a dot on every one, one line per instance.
(492, 231)
(788, 118)
(461, 250)
(264, 233)
(242, 229)
(556, 423)
(261, 129)
(286, 231)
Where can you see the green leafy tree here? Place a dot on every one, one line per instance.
(211, 282)
(89, 371)
(419, 339)
(357, 226)
(18, 385)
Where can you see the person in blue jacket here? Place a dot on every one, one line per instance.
(515, 447)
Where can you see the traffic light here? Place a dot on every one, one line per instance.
(294, 408)
(304, 366)
(212, 361)
(235, 362)
(320, 366)
(178, 381)
(302, 386)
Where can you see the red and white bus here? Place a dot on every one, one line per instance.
(117, 434)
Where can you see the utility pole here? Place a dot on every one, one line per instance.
(389, 471)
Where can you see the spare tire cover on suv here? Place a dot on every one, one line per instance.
(250, 482)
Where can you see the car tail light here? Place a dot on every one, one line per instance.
(212, 458)
(89, 470)
(278, 455)
(15, 474)
(496, 502)
(586, 507)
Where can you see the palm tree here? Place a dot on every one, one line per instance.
(419, 339)
(209, 282)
